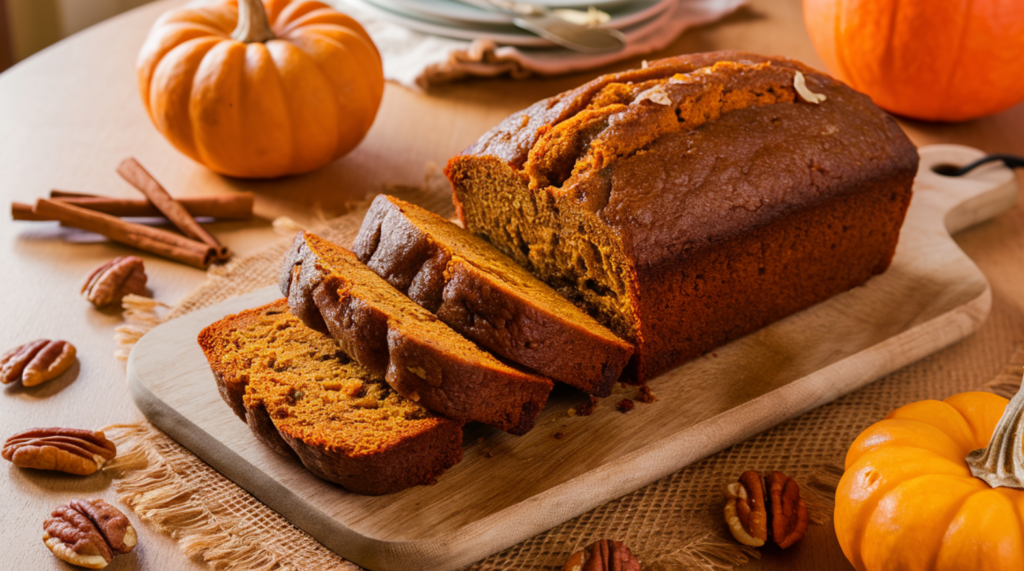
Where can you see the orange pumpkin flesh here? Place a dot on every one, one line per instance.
(908, 500)
(261, 109)
(937, 60)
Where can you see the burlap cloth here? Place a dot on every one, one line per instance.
(674, 523)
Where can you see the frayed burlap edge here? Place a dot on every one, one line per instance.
(156, 478)
(140, 314)
(705, 551)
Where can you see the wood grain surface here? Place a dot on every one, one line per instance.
(509, 488)
(71, 113)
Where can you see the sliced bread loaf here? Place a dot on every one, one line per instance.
(486, 296)
(421, 357)
(695, 200)
(301, 395)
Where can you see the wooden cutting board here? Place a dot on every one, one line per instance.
(510, 488)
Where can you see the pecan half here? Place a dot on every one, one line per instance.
(115, 279)
(71, 450)
(754, 501)
(88, 533)
(789, 513)
(603, 555)
(36, 362)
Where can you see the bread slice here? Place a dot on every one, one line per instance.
(487, 297)
(302, 396)
(421, 357)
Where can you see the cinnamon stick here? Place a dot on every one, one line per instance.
(21, 211)
(69, 194)
(132, 171)
(154, 240)
(223, 206)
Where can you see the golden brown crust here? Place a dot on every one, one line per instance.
(678, 182)
(487, 297)
(300, 396)
(421, 357)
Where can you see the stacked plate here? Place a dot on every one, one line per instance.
(453, 19)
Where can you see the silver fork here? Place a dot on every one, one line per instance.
(539, 20)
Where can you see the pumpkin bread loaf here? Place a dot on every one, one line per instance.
(302, 396)
(487, 297)
(419, 356)
(695, 200)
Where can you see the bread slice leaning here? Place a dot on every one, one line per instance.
(487, 297)
(302, 396)
(386, 332)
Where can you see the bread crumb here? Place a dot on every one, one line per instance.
(571, 412)
(624, 406)
(588, 407)
(559, 435)
(645, 395)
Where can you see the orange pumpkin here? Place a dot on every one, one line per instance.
(260, 90)
(918, 494)
(937, 60)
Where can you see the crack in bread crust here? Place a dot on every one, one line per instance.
(623, 118)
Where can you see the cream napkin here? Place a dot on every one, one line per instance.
(419, 60)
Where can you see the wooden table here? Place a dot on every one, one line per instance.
(69, 114)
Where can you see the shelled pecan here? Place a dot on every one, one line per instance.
(603, 555)
(36, 362)
(70, 450)
(115, 279)
(753, 502)
(88, 533)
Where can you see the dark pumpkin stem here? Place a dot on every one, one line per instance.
(252, 23)
(1001, 464)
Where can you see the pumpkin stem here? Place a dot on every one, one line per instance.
(1001, 464)
(252, 23)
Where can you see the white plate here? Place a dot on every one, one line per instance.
(622, 16)
(502, 34)
(603, 4)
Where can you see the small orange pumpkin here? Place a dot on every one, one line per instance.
(937, 485)
(260, 89)
(937, 60)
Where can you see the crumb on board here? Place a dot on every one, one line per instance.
(645, 395)
(624, 406)
(587, 408)
(559, 435)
